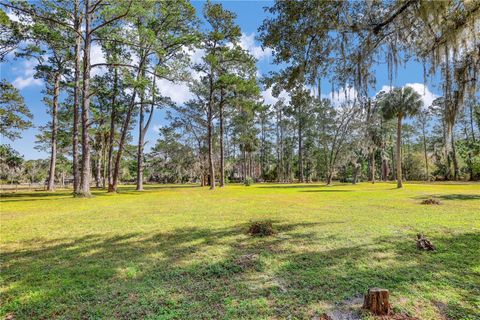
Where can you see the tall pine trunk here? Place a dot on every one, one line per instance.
(84, 190)
(113, 116)
(210, 137)
(53, 153)
(399, 152)
(222, 155)
(372, 165)
(141, 140)
(123, 135)
(76, 100)
(141, 136)
(425, 153)
(300, 153)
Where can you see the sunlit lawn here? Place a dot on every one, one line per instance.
(182, 252)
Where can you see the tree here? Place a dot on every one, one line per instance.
(158, 37)
(399, 103)
(236, 82)
(216, 40)
(10, 163)
(14, 114)
(423, 121)
(336, 126)
(53, 44)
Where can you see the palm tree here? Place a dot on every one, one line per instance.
(399, 103)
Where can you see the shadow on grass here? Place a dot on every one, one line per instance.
(302, 186)
(460, 197)
(34, 196)
(223, 273)
(327, 190)
(96, 192)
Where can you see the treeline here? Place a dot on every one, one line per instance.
(226, 132)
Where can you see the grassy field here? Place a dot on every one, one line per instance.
(182, 252)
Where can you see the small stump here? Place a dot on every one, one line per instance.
(424, 244)
(376, 301)
(431, 201)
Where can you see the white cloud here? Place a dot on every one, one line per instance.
(13, 16)
(195, 54)
(27, 78)
(156, 128)
(97, 56)
(268, 97)
(178, 92)
(247, 42)
(341, 96)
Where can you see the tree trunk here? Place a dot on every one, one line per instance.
(355, 173)
(98, 168)
(425, 153)
(76, 102)
(141, 139)
(111, 136)
(113, 187)
(446, 133)
(456, 173)
(329, 177)
(84, 190)
(300, 153)
(123, 135)
(399, 152)
(222, 156)
(210, 137)
(394, 162)
(53, 153)
(373, 166)
(142, 132)
(376, 301)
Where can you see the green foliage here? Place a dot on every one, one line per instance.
(248, 181)
(10, 163)
(399, 103)
(14, 114)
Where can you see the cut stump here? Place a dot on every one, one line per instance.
(376, 301)
(424, 244)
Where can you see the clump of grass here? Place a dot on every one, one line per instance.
(261, 228)
(431, 201)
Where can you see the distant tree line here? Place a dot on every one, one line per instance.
(227, 132)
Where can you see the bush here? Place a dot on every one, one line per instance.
(261, 228)
(248, 181)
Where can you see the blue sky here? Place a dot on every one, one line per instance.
(250, 15)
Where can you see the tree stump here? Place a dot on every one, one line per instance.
(376, 301)
(424, 244)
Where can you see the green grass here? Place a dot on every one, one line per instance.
(183, 252)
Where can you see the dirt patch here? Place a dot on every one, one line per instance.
(346, 310)
(397, 317)
(247, 261)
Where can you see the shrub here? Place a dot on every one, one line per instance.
(261, 228)
(248, 181)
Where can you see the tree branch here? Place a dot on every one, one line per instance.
(113, 19)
